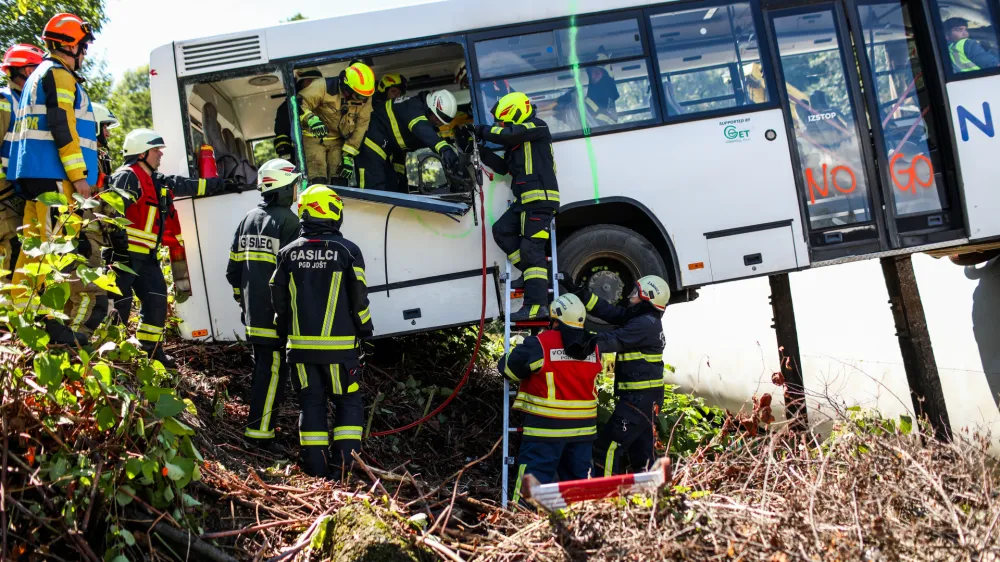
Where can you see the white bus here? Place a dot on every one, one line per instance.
(735, 139)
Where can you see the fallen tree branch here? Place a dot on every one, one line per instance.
(235, 532)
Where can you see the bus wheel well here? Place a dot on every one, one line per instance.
(623, 212)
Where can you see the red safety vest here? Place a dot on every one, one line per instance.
(563, 388)
(144, 216)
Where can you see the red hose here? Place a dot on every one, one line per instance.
(479, 337)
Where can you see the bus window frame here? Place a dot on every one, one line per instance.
(876, 198)
(941, 44)
(765, 56)
(555, 25)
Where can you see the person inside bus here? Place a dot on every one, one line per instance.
(282, 126)
(391, 86)
(602, 96)
(967, 55)
(400, 126)
(335, 114)
(522, 231)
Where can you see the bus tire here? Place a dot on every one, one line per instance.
(609, 259)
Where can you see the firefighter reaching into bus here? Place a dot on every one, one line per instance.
(283, 146)
(522, 231)
(398, 127)
(557, 371)
(335, 113)
(148, 197)
(323, 267)
(967, 55)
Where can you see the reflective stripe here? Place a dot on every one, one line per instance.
(639, 356)
(558, 413)
(537, 365)
(303, 378)
(321, 343)
(81, 313)
(336, 388)
(395, 125)
(364, 316)
(550, 385)
(202, 183)
(514, 258)
(257, 434)
(609, 459)
(375, 148)
(562, 433)
(346, 432)
(536, 273)
(556, 403)
(351, 150)
(248, 255)
(314, 438)
(640, 385)
(517, 485)
(541, 234)
(496, 130)
(359, 272)
(150, 220)
(539, 195)
(506, 369)
(529, 165)
(293, 291)
(400, 168)
(137, 249)
(261, 332)
(272, 389)
(236, 290)
(533, 311)
(592, 302)
(140, 234)
(439, 146)
(414, 122)
(151, 328)
(331, 304)
(353, 387)
(143, 336)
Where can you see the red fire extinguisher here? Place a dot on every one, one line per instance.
(206, 163)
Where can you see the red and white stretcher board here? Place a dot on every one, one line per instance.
(562, 494)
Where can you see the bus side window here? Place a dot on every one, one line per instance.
(580, 79)
(968, 35)
(708, 59)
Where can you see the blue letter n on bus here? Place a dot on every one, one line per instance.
(964, 118)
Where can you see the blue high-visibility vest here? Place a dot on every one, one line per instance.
(33, 152)
(8, 103)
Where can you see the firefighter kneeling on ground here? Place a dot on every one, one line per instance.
(638, 342)
(252, 258)
(557, 371)
(148, 197)
(320, 301)
(402, 125)
(522, 231)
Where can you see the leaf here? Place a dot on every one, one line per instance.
(905, 424)
(188, 501)
(190, 450)
(106, 418)
(107, 282)
(36, 269)
(90, 203)
(190, 407)
(53, 199)
(49, 366)
(124, 499)
(174, 472)
(145, 374)
(58, 469)
(123, 268)
(106, 347)
(102, 372)
(114, 199)
(176, 427)
(129, 539)
(88, 274)
(33, 337)
(121, 557)
(168, 405)
(133, 468)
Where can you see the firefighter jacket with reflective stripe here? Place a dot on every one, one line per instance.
(252, 258)
(8, 106)
(399, 126)
(346, 122)
(149, 205)
(638, 342)
(557, 393)
(320, 297)
(529, 160)
(283, 133)
(55, 136)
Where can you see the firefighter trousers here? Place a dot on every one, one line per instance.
(323, 158)
(86, 307)
(631, 430)
(375, 169)
(316, 384)
(552, 460)
(524, 237)
(10, 221)
(149, 285)
(270, 377)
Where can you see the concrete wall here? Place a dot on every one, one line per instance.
(724, 348)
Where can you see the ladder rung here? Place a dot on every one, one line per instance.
(514, 430)
(520, 293)
(531, 323)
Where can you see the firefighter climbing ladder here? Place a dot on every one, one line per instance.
(508, 459)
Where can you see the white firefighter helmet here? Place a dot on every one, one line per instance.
(275, 174)
(103, 116)
(569, 310)
(139, 141)
(654, 289)
(443, 105)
